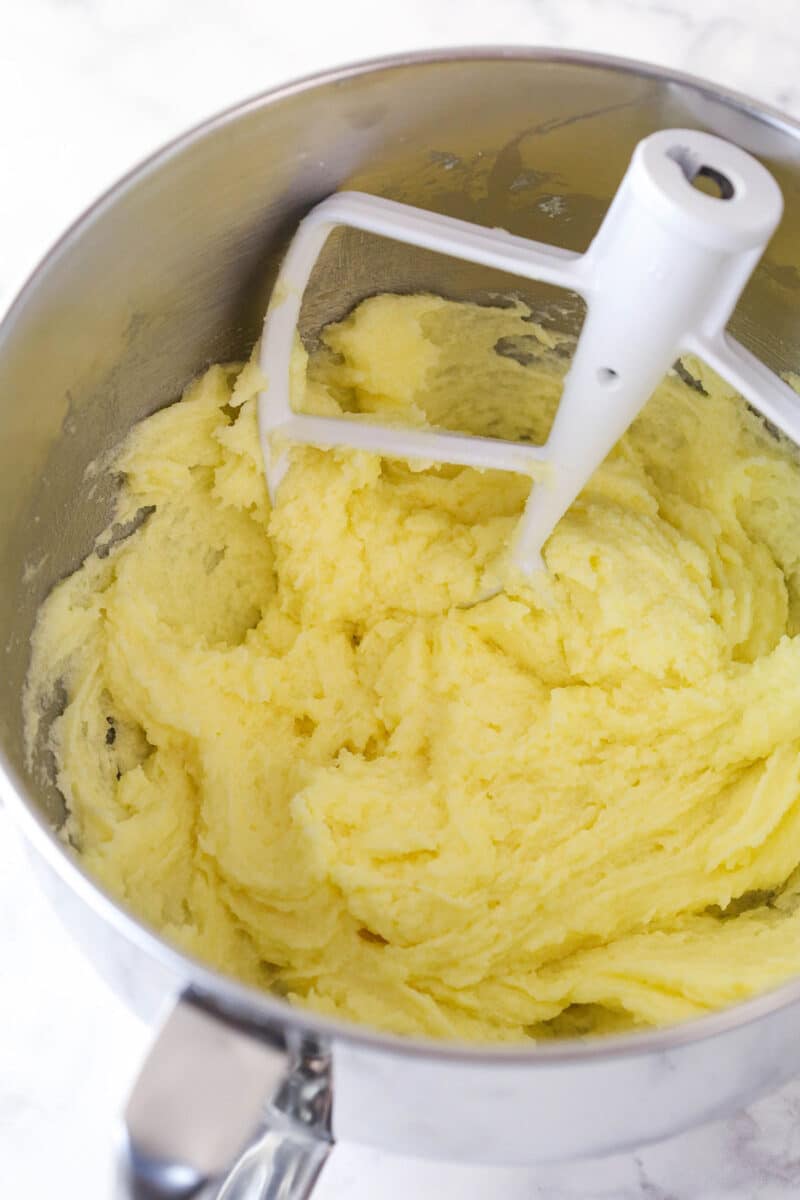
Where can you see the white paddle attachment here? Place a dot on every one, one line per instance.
(661, 278)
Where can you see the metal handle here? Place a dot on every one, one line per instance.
(219, 1113)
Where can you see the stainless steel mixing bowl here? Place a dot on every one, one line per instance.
(170, 271)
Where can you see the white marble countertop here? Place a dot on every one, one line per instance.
(86, 88)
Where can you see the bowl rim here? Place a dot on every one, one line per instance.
(221, 995)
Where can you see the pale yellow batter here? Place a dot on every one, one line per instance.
(290, 749)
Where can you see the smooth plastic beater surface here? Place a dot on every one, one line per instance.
(660, 278)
